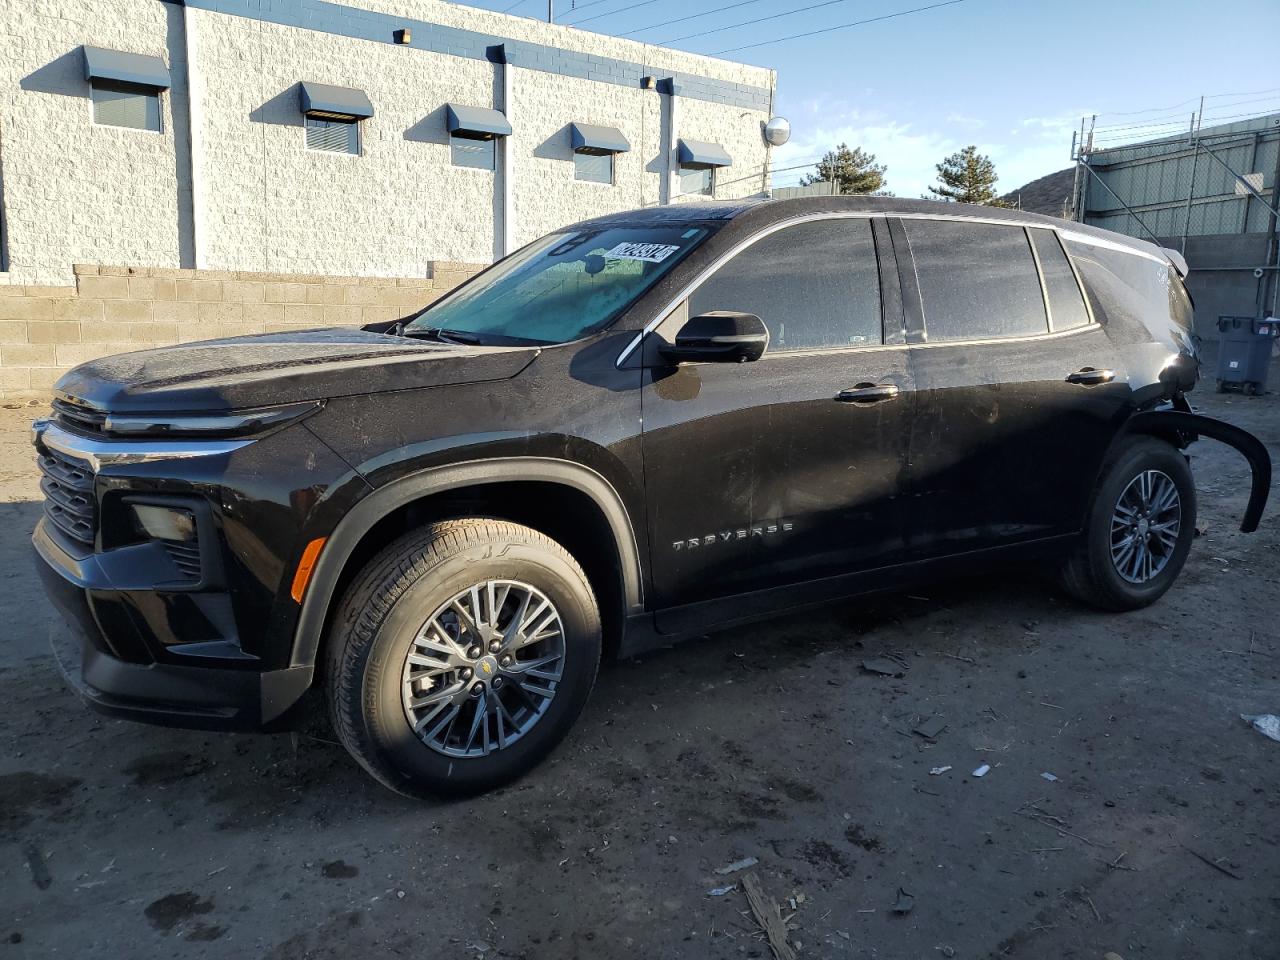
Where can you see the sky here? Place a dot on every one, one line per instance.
(1013, 77)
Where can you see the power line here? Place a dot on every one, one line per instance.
(1180, 118)
(695, 16)
(607, 13)
(747, 23)
(512, 7)
(842, 26)
(1214, 115)
(570, 12)
(1244, 93)
(589, 3)
(1152, 133)
(774, 171)
(1187, 103)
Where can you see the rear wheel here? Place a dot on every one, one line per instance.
(461, 656)
(1139, 529)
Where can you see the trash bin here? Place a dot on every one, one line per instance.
(1244, 352)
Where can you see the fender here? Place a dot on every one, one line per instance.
(1191, 426)
(373, 507)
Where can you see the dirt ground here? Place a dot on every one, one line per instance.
(1158, 839)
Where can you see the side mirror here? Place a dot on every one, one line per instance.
(721, 336)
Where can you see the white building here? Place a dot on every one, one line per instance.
(367, 138)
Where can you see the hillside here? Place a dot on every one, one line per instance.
(1049, 194)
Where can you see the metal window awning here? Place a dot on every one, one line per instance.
(591, 138)
(480, 123)
(326, 100)
(696, 154)
(145, 71)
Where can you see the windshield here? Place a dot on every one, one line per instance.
(563, 286)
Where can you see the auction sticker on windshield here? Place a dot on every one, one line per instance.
(648, 252)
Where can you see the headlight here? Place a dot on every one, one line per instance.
(233, 424)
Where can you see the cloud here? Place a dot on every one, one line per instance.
(909, 153)
(1032, 148)
(964, 120)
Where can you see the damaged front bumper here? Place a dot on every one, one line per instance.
(1191, 426)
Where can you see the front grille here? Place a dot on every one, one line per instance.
(71, 414)
(67, 484)
(185, 556)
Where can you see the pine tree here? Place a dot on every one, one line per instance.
(967, 177)
(854, 171)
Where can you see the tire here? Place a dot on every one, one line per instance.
(407, 589)
(1093, 573)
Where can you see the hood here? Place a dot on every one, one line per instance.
(276, 368)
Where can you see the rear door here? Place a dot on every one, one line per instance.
(789, 468)
(1019, 391)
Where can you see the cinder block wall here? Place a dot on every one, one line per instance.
(46, 330)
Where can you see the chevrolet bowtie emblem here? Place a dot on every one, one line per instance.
(486, 667)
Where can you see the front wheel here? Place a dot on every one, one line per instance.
(1139, 529)
(461, 656)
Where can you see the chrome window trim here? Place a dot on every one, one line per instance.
(1063, 234)
(1087, 328)
(99, 453)
(828, 351)
(1109, 245)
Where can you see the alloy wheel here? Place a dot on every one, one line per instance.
(484, 668)
(1145, 526)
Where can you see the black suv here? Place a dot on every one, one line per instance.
(630, 431)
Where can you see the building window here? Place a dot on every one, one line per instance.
(469, 152)
(594, 168)
(333, 136)
(698, 181)
(120, 104)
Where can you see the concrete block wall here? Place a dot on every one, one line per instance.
(47, 329)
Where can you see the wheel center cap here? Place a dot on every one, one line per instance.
(1144, 526)
(487, 668)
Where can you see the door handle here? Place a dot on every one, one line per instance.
(868, 393)
(1089, 377)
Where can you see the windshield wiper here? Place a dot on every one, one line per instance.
(442, 335)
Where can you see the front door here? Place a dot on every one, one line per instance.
(790, 468)
(1019, 392)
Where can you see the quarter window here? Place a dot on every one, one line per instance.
(978, 281)
(698, 181)
(469, 152)
(815, 286)
(333, 136)
(594, 168)
(1066, 303)
(120, 104)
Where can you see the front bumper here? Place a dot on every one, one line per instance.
(203, 696)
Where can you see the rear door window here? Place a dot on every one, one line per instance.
(978, 281)
(815, 285)
(1066, 302)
